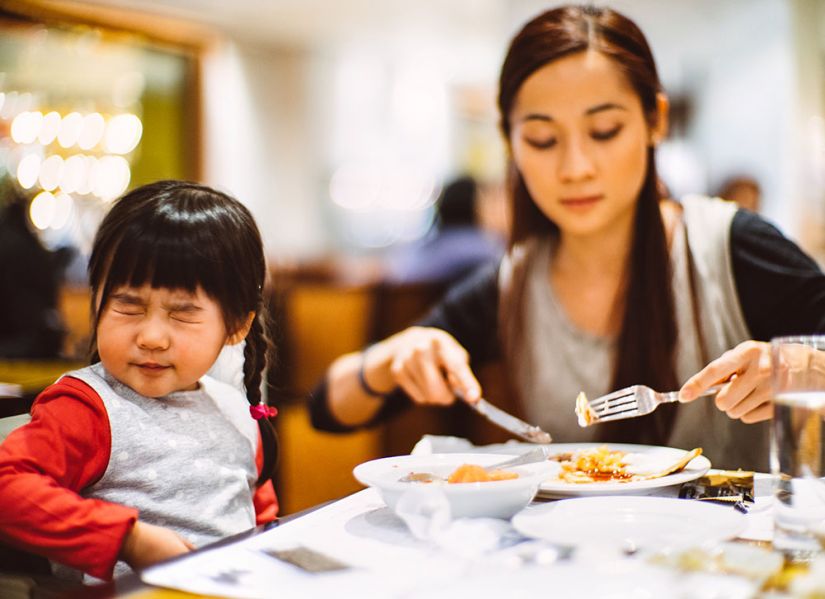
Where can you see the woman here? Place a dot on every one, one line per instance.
(606, 283)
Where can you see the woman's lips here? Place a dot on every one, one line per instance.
(581, 202)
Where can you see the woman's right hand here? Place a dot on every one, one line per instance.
(147, 544)
(427, 363)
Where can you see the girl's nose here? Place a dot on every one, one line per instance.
(153, 335)
(576, 163)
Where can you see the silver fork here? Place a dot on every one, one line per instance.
(634, 401)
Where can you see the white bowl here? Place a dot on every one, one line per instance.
(494, 499)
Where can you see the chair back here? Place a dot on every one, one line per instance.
(10, 423)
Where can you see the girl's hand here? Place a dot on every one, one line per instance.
(147, 544)
(744, 373)
(429, 365)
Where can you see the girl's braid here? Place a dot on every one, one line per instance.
(258, 349)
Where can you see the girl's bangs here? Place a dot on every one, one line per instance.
(164, 261)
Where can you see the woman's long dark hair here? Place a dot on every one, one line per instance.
(183, 235)
(647, 338)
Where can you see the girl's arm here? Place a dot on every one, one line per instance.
(43, 467)
(415, 363)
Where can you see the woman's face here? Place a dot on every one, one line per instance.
(579, 138)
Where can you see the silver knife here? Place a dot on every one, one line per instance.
(510, 423)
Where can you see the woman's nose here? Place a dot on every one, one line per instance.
(576, 163)
(153, 334)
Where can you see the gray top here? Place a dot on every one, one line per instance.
(186, 461)
(559, 360)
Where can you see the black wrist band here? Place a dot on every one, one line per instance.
(362, 379)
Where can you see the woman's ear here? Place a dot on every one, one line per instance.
(241, 333)
(658, 131)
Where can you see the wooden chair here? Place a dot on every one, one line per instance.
(315, 322)
(397, 306)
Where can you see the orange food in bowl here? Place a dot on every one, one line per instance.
(470, 473)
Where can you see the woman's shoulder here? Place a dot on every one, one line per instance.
(706, 214)
(707, 211)
(520, 256)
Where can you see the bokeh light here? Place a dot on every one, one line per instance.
(69, 129)
(51, 171)
(28, 170)
(123, 133)
(42, 209)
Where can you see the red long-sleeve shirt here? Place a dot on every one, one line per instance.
(45, 464)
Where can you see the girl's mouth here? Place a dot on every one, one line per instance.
(151, 366)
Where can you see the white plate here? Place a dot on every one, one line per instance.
(495, 499)
(630, 523)
(559, 488)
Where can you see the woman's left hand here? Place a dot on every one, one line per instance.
(744, 374)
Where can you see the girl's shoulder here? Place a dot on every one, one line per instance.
(72, 387)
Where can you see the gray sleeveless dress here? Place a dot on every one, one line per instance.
(186, 461)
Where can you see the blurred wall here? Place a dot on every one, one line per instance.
(259, 140)
(752, 69)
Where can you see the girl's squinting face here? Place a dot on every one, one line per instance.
(579, 138)
(158, 341)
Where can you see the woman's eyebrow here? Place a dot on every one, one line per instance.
(603, 107)
(546, 118)
(537, 117)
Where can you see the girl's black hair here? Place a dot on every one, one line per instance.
(182, 235)
(646, 345)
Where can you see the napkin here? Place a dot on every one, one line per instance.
(426, 512)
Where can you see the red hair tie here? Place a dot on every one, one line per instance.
(262, 411)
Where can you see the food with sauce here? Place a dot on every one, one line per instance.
(466, 473)
(471, 473)
(602, 464)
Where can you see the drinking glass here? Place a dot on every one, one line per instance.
(798, 445)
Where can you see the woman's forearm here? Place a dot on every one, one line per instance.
(349, 403)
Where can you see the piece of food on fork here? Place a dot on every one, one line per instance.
(630, 402)
(584, 413)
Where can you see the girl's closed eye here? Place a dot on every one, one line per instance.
(605, 134)
(127, 304)
(187, 313)
(185, 316)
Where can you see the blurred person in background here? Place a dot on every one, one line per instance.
(743, 190)
(30, 279)
(454, 247)
(606, 282)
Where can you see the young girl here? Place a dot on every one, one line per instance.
(140, 456)
(606, 282)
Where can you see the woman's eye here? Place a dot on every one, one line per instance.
(541, 144)
(606, 134)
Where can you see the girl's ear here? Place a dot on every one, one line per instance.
(658, 131)
(240, 334)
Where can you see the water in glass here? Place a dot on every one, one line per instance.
(798, 461)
